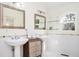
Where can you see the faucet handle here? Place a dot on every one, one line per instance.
(17, 37)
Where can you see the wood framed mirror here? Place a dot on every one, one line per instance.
(11, 17)
(39, 22)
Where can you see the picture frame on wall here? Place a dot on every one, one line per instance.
(69, 21)
(69, 26)
(39, 22)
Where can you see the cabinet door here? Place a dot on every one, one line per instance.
(35, 48)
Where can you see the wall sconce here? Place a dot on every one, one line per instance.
(41, 12)
(18, 4)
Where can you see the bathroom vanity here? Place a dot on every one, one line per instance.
(33, 48)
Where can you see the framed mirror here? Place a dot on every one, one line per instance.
(40, 22)
(11, 17)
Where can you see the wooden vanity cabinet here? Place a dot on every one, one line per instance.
(33, 48)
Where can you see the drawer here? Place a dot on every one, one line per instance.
(35, 53)
(35, 48)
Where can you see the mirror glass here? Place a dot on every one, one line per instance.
(40, 22)
(12, 17)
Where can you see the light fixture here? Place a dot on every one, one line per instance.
(41, 12)
(18, 4)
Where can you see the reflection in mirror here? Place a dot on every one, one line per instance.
(11, 17)
(40, 22)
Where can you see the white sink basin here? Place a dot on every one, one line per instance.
(16, 42)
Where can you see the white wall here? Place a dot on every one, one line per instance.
(58, 10)
(65, 44)
(6, 50)
(61, 44)
(30, 10)
(54, 45)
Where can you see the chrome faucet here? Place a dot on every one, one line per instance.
(15, 37)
